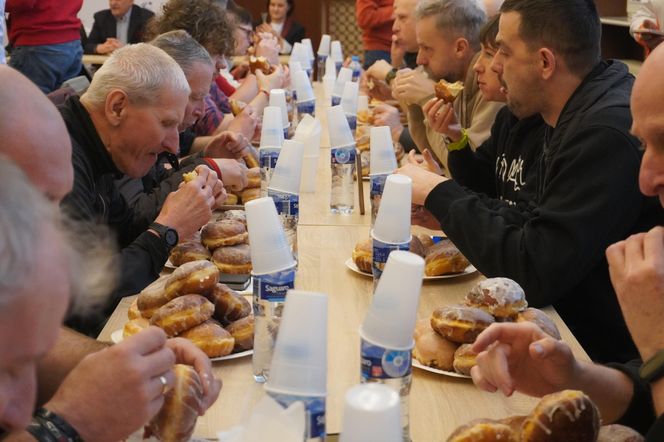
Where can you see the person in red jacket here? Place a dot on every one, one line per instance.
(375, 19)
(46, 40)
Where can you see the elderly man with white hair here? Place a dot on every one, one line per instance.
(129, 115)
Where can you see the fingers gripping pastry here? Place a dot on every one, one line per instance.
(237, 106)
(444, 258)
(448, 91)
(459, 323)
(363, 255)
(250, 194)
(229, 306)
(363, 138)
(223, 233)
(541, 319)
(243, 332)
(234, 215)
(618, 433)
(431, 349)
(565, 416)
(152, 297)
(197, 277)
(182, 313)
(188, 251)
(365, 116)
(500, 297)
(211, 338)
(134, 326)
(483, 430)
(464, 359)
(260, 63)
(250, 160)
(254, 177)
(176, 419)
(134, 312)
(235, 260)
(189, 176)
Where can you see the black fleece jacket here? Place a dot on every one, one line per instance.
(587, 198)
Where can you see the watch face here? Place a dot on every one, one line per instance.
(171, 237)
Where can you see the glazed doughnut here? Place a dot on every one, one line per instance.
(425, 239)
(234, 260)
(365, 116)
(464, 359)
(448, 91)
(211, 338)
(234, 215)
(243, 332)
(189, 176)
(229, 306)
(431, 349)
(514, 422)
(483, 430)
(188, 251)
(134, 312)
(182, 313)
(618, 433)
(223, 233)
(152, 297)
(197, 277)
(249, 194)
(541, 319)
(459, 323)
(231, 198)
(444, 258)
(254, 177)
(176, 420)
(500, 297)
(565, 416)
(363, 255)
(134, 326)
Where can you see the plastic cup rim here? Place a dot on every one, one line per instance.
(278, 390)
(294, 263)
(374, 236)
(372, 342)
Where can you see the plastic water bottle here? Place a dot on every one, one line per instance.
(314, 410)
(267, 160)
(288, 208)
(322, 59)
(343, 169)
(269, 296)
(356, 67)
(376, 186)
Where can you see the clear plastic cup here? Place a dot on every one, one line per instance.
(335, 52)
(345, 75)
(372, 412)
(339, 131)
(324, 46)
(303, 86)
(270, 251)
(294, 66)
(349, 97)
(393, 219)
(328, 87)
(287, 173)
(330, 70)
(278, 99)
(309, 167)
(390, 320)
(299, 364)
(272, 131)
(382, 160)
(362, 103)
(309, 49)
(308, 132)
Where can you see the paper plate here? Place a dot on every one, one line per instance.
(470, 269)
(452, 374)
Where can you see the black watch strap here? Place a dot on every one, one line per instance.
(390, 76)
(168, 234)
(653, 368)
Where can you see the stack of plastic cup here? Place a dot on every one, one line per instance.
(309, 132)
(342, 156)
(299, 54)
(382, 162)
(278, 99)
(272, 137)
(284, 188)
(299, 366)
(392, 228)
(329, 79)
(345, 75)
(371, 412)
(336, 54)
(323, 52)
(362, 103)
(270, 251)
(337, 125)
(306, 100)
(306, 42)
(349, 103)
(387, 331)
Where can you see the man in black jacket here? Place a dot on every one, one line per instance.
(123, 23)
(587, 195)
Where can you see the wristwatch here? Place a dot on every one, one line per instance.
(653, 368)
(390, 76)
(169, 235)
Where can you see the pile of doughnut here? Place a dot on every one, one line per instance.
(441, 258)
(251, 192)
(565, 416)
(191, 303)
(444, 340)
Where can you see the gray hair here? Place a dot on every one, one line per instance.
(142, 71)
(183, 48)
(465, 18)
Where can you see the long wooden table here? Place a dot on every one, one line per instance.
(438, 404)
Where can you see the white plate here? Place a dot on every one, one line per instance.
(452, 374)
(116, 337)
(470, 269)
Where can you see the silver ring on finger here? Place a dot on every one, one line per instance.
(164, 384)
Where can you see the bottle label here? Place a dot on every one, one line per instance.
(377, 185)
(272, 287)
(344, 155)
(314, 409)
(338, 65)
(384, 363)
(267, 158)
(287, 204)
(381, 250)
(307, 107)
(336, 100)
(286, 132)
(352, 122)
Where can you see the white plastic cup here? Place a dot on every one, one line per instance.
(340, 133)
(278, 99)
(330, 70)
(362, 103)
(295, 66)
(270, 251)
(372, 412)
(305, 91)
(382, 159)
(391, 318)
(272, 131)
(299, 364)
(308, 132)
(345, 75)
(299, 54)
(287, 172)
(324, 45)
(309, 167)
(393, 219)
(349, 97)
(336, 54)
(309, 49)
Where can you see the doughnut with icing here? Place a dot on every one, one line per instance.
(254, 177)
(464, 359)
(483, 430)
(226, 232)
(541, 319)
(198, 277)
(431, 349)
(618, 433)
(243, 332)
(460, 323)
(182, 313)
(211, 338)
(249, 194)
(229, 306)
(188, 251)
(444, 258)
(134, 326)
(235, 260)
(152, 297)
(134, 312)
(500, 297)
(234, 215)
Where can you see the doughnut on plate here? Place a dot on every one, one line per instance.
(453, 374)
(470, 269)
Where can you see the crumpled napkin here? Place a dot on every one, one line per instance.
(269, 421)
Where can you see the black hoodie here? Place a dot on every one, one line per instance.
(587, 198)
